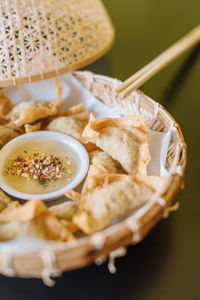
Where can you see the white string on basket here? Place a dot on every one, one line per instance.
(6, 259)
(100, 260)
(156, 110)
(119, 252)
(134, 225)
(176, 169)
(14, 81)
(41, 75)
(29, 79)
(179, 170)
(161, 201)
(137, 100)
(98, 240)
(90, 79)
(50, 269)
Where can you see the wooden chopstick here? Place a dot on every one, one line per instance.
(160, 62)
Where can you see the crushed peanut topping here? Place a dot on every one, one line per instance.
(41, 167)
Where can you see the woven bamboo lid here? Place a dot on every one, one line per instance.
(42, 39)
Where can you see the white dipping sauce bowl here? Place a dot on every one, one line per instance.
(80, 154)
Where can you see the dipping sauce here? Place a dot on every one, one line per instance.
(39, 167)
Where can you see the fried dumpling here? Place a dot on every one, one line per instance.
(70, 125)
(124, 139)
(73, 228)
(100, 163)
(110, 196)
(73, 195)
(65, 210)
(5, 104)
(6, 135)
(11, 206)
(4, 201)
(105, 162)
(32, 127)
(73, 110)
(34, 219)
(30, 111)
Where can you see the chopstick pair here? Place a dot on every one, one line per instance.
(160, 62)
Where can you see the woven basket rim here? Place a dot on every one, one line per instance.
(81, 252)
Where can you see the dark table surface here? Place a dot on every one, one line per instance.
(166, 264)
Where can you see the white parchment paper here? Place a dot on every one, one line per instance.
(73, 93)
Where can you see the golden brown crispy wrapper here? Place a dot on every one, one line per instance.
(32, 127)
(4, 201)
(2, 121)
(73, 195)
(5, 104)
(7, 134)
(124, 139)
(71, 122)
(70, 125)
(74, 110)
(11, 206)
(33, 218)
(73, 228)
(65, 210)
(33, 110)
(107, 163)
(100, 163)
(11, 125)
(91, 147)
(108, 197)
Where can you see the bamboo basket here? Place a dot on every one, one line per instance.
(52, 261)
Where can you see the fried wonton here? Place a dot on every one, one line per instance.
(2, 121)
(11, 206)
(32, 127)
(124, 139)
(105, 162)
(34, 219)
(73, 195)
(5, 104)
(32, 110)
(70, 125)
(65, 210)
(74, 110)
(111, 196)
(4, 201)
(100, 163)
(7, 134)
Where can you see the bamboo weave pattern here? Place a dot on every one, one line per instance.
(47, 35)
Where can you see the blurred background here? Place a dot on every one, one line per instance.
(166, 264)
